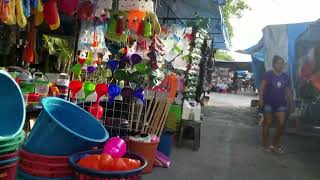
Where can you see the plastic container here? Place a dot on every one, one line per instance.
(89, 174)
(8, 172)
(12, 107)
(165, 144)
(45, 174)
(146, 150)
(8, 156)
(9, 149)
(174, 116)
(191, 112)
(44, 166)
(19, 138)
(63, 128)
(24, 176)
(8, 161)
(42, 158)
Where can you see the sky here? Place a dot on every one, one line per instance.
(248, 29)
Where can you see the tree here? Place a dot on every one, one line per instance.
(223, 55)
(233, 8)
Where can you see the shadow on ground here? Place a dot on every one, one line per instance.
(230, 150)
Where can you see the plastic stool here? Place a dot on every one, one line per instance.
(196, 125)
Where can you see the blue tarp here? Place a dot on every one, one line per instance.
(261, 53)
(176, 11)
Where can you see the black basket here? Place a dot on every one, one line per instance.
(81, 173)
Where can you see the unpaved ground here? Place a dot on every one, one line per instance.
(230, 149)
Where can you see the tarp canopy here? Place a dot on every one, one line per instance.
(175, 11)
(234, 65)
(277, 40)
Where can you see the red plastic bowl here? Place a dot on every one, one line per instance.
(42, 158)
(8, 172)
(45, 166)
(45, 174)
(8, 156)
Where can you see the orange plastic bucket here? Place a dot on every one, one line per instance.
(146, 150)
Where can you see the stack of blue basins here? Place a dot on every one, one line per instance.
(12, 117)
(61, 130)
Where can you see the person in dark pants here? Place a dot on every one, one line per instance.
(275, 99)
(235, 82)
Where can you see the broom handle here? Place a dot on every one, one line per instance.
(132, 112)
(139, 116)
(146, 115)
(157, 117)
(164, 118)
(150, 120)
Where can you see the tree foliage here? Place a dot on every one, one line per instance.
(233, 8)
(223, 55)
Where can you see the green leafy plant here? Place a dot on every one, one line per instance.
(233, 8)
(223, 55)
(58, 47)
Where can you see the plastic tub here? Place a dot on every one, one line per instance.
(8, 156)
(24, 176)
(45, 174)
(8, 161)
(12, 107)
(45, 166)
(8, 172)
(146, 150)
(19, 138)
(42, 158)
(9, 149)
(89, 174)
(63, 128)
(13, 146)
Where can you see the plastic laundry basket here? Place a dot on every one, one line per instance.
(12, 107)
(89, 174)
(63, 128)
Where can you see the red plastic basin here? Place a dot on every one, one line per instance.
(45, 174)
(8, 172)
(8, 156)
(45, 166)
(42, 158)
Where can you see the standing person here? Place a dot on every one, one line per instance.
(235, 83)
(275, 99)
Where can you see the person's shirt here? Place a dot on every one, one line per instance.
(275, 90)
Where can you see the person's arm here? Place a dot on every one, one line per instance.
(262, 88)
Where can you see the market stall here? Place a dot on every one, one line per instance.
(277, 40)
(307, 89)
(95, 75)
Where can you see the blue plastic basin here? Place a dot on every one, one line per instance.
(63, 128)
(12, 107)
